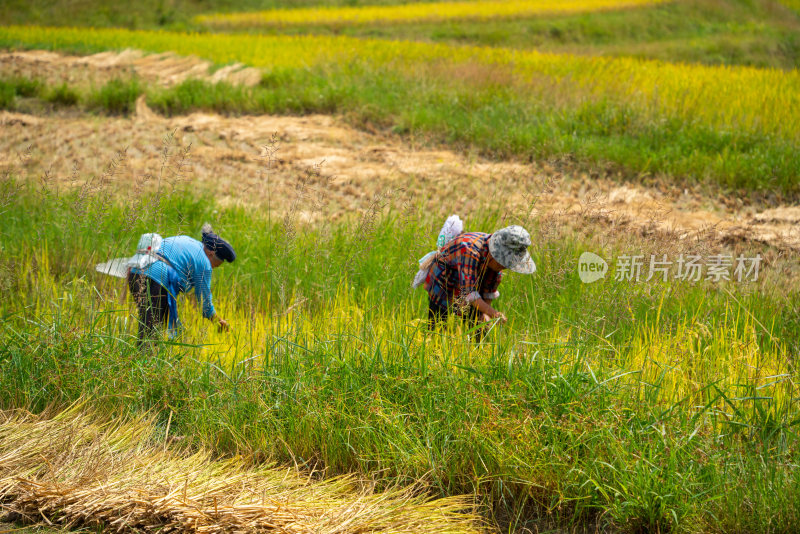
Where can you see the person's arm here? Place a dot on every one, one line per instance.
(223, 324)
(487, 312)
(468, 278)
(202, 288)
(489, 294)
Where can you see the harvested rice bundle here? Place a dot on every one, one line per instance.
(74, 470)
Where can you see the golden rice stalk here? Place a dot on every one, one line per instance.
(412, 12)
(77, 468)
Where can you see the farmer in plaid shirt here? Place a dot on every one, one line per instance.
(465, 274)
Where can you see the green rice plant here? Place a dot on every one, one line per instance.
(674, 91)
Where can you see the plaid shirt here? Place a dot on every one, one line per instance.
(461, 274)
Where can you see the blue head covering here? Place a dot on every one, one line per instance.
(217, 245)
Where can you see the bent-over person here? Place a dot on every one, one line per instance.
(181, 264)
(466, 272)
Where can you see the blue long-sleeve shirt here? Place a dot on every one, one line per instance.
(192, 265)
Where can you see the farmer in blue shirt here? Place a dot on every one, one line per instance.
(183, 263)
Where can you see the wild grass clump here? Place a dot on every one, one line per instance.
(116, 97)
(7, 95)
(61, 95)
(192, 95)
(17, 86)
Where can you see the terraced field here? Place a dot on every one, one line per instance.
(328, 143)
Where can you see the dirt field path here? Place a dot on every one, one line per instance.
(336, 169)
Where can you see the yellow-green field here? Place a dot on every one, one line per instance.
(794, 4)
(423, 12)
(620, 405)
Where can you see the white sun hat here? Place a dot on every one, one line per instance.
(509, 246)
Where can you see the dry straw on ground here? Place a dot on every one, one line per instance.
(75, 469)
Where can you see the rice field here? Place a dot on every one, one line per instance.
(331, 405)
(410, 12)
(614, 402)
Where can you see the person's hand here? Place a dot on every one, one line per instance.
(223, 325)
(501, 317)
(485, 318)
